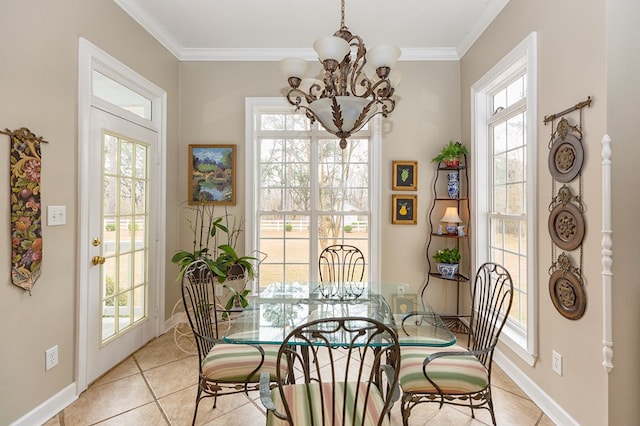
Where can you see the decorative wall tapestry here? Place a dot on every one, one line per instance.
(26, 225)
(566, 221)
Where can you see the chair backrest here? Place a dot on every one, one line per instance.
(200, 305)
(492, 296)
(328, 370)
(341, 263)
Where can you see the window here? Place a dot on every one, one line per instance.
(504, 114)
(306, 192)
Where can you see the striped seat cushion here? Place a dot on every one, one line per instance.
(233, 363)
(303, 412)
(454, 375)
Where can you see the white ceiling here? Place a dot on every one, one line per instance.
(273, 29)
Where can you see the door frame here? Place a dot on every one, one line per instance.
(91, 57)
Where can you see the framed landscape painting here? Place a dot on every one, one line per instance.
(212, 174)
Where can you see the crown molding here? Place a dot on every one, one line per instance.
(479, 27)
(146, 21)
(276, 54)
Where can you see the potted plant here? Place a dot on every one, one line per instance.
(223, 259)
(450, 154)
(447, 261)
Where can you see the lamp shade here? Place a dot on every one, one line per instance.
(451, 215)
(332, 47)
(294, 67)
(383, 56)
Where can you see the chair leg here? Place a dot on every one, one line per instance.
(405, 411)
(490, 404)
(195, 411)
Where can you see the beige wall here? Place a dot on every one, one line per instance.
(572, 64)
(212, 99)
(38, 81)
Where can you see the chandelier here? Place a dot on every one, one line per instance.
(346, 98)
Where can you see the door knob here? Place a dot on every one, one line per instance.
(97, 260)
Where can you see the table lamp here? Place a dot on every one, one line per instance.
(452, 219)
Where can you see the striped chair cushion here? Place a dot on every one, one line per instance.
(303, 412)
(454, 375)
(233, 363)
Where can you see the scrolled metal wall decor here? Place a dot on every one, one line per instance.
(566, 288)
(566, 221)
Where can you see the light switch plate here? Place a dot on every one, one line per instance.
(56, 215)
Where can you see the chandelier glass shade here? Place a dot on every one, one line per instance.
(345, 98)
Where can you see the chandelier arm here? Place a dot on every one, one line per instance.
(387, 106)
(357, 68)
(382, 89)
(294, 96)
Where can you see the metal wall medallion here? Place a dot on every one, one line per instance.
(566, 154)
(566, 290)
(566, 222)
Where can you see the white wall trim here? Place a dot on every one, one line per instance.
(547, 404)
(524, 54)
(49, 408)
(88, 56)
(607, 258)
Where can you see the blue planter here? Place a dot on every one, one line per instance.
(447, 270)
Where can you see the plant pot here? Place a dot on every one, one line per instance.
(452, 162)
(447, 270)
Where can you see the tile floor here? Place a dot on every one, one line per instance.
(157, 386)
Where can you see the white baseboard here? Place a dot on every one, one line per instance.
(550, 408)
(52, 406)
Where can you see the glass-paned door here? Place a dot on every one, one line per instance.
(125, 218)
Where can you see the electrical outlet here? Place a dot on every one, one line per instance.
(51, 358)
(556, 362)
(401, 290)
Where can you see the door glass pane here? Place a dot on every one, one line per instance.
(125, 242)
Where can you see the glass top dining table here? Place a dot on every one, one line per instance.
(281, 307)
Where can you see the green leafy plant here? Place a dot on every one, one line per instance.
(447, 255)
(238, 298)
(348, 228)
(450, 152)
(209, 230)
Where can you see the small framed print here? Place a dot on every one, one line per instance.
(405, 176)
(404, 303)
(404, 209)
(212, 174)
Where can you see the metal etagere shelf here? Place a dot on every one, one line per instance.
(437, 240)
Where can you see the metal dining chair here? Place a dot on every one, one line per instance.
(223, 368)
(461, 375)
(341, 263)
(353, 382)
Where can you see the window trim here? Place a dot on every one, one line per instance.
(252, 104)
(524, 344)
